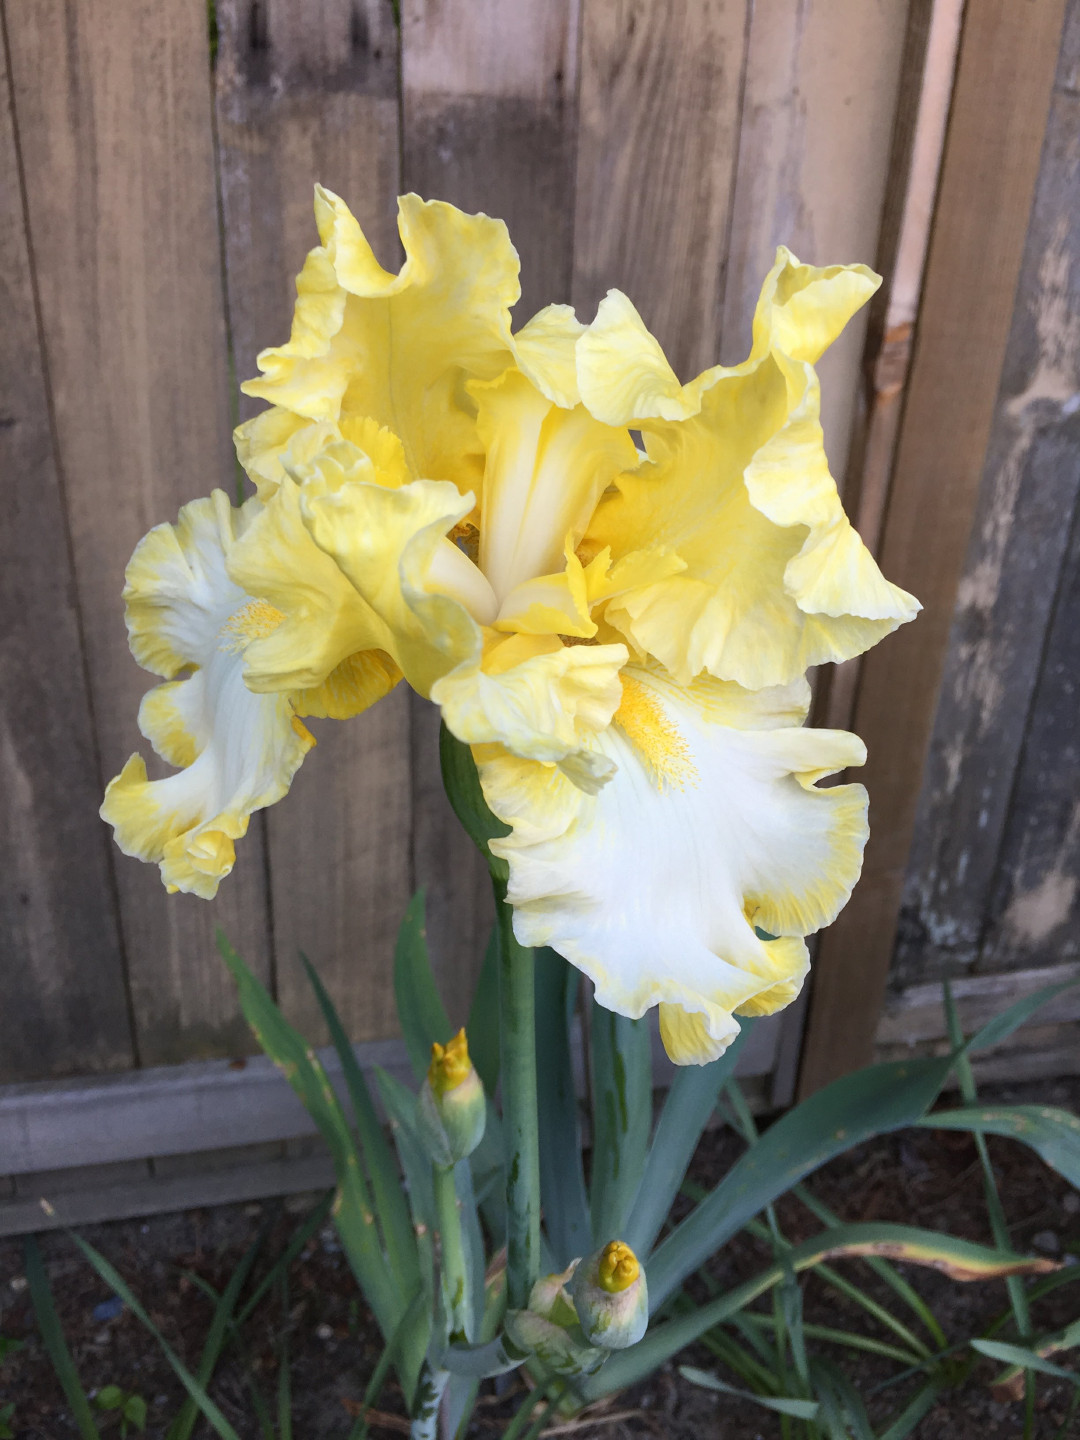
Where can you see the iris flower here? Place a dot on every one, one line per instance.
(611, 584)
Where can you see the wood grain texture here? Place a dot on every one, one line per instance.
(1005, 75)
(918, 1013)
(64, 1007)
(822, 79)
(113, 110)
(927, 72)
(1034, 908)
(488, 104)
(304, 93)
(660, 93)
(1002, 702)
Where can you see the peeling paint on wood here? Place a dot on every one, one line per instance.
(996, 841)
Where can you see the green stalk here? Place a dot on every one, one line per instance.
(517, 1042)
(455, 1271)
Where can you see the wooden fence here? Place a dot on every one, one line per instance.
(155, 205)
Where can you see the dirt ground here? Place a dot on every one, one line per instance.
(921, 1177)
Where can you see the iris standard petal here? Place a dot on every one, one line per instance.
(546, 468)
(328, 643)
(239, 751)
(736, 483)
(398, 348)
(391, 547)
(709, 830)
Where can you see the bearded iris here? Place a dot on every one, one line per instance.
(621, 634)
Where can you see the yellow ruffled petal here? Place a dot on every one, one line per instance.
(350, 688)
(697, 1037)
(326, 626)
(546, 469)
(538, 698)
(802, 309)
(261, 442)
(398, 348)
(709, 829)
(551, 604)
(412, 587)
(238, 751)
(546, 352)
(736, 484)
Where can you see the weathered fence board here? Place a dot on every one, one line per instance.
(63, 1006)
(1005, 75)
(927, 73)
(1035, 906)
(820, 98)
(305, 94)
(1003, 779)
(488, 106)
(112, 104)
(664, 167)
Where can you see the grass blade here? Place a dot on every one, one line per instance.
(1000, 1027)
(1026, 1359)
(920, 1404)
(116, 1282)
(690, 1102)
(783, 1405)
(882, 1269)
(313, 1222)
(378, 1159)
(850, 1341)
(353, 1208)
(420, 1009)
(216, 1337)
(995, 1210)
(52, 1336)
(1053, 1134)
(850, 1110)
(883, 1316)
(284, 1385)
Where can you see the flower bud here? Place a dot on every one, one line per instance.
(549, 1297)
(549, 1328)
(452, 1111)
(611, 1297)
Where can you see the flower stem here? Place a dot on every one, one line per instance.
(517, 1043)
(455, 1274)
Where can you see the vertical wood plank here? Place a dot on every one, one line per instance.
(660, 95)
(822, 79)
(1005, 73)
(488, 101)
(308, 92)
(488, 95)
(1035, 904)
(1002, 697)
(113, 110)
(64, 1007)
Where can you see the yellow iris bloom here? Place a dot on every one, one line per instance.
(621, 635)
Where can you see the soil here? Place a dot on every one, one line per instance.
(929, 1178)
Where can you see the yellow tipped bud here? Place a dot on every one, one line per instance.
(611, 1297)
(450, 1064)
(617, 1268)
(452, 1111)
